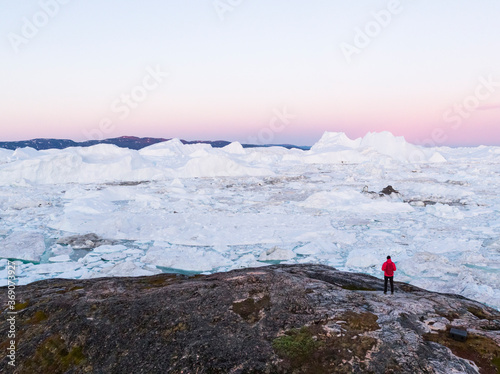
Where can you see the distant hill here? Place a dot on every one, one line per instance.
(130, 142)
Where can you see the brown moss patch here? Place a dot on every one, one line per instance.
(405, 287)
(159, 280)
(315, 350)
(21, 306)
(360, 322)
(479, 313)
(449, 315)
(38, 317)
(482, 350)
(249, 309)
(178, 327)
(53, 356)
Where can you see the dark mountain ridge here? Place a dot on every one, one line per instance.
(131, 142)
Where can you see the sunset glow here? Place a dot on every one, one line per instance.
(426, 70)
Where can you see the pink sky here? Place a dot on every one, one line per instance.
(188, 73)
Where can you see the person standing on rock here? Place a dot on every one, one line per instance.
(389, 268)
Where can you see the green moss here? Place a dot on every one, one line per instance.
(496, 363)
(315, 350)
(480, 349)
(297, 345)
(38, 317)
(76, 288)
(74, 358)
(53, 356)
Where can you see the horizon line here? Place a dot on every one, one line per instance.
(163, 139)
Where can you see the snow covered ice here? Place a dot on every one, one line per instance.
(194, 208)
(28, 246)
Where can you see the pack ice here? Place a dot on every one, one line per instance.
(193, 208)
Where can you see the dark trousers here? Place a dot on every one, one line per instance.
(386, 278)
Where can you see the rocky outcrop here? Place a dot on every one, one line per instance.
(276, 319)
(87, 241)
(388, 191)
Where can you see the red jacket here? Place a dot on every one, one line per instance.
(389, 268)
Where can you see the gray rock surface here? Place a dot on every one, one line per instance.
(87, 241)
(276, 319)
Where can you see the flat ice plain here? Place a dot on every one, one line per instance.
(193, 208)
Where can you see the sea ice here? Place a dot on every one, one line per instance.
(125, 269)
(196, 208)
(445, 211)
(61, 258)
(276, 254)
(185, 258)
(22, 245)
(57, 267)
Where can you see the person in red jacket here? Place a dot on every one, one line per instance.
(389, 268)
